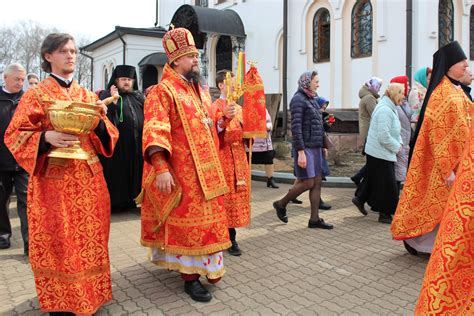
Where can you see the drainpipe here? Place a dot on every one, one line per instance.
(409, 38)
(92, 68)
(117, 28)
(285, 68)
(157, 13)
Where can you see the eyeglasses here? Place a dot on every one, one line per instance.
(33, 83)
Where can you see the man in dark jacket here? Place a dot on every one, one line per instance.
(123, 171)
(10, 173)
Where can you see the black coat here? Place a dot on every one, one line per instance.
(123, 171)
(8, 104)
(306, 122)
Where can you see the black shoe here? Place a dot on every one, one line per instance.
(4, 242)
(359, 205)
(234, 250)
(197, 291)
(281, 212)
(271, 183)
(319, 224)
(385, 219)
(324, 206)
(412, 251)
(296, 201)
(355, 180)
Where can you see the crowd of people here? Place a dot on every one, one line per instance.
(183, 160)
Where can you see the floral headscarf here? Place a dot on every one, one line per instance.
(421, 76)
(396, 92)
(305, 81)
(374, 84)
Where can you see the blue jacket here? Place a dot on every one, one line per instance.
(384, 140)
(306, 122)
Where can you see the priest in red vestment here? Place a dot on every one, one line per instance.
(183, 219)
(235, 166)
(439, 140)
(68, 202)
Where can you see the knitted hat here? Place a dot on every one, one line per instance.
(403, 80)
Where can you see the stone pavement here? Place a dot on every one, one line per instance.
(355, 269)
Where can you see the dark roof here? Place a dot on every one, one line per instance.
(154, 59)
(152, 32)
(224, 22)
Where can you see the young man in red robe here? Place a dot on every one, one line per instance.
(183, 219)
(68, 202)
(235, 166)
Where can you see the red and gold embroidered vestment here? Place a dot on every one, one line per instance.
(191, 219)
(236, 169)
(448, 285)
(68, 206)
(439, 146)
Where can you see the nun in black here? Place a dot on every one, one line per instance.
(123, 171)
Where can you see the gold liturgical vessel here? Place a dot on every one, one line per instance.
(74, 118)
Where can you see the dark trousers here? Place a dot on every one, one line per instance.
(360, 174)
(8, 179)
(232, 234)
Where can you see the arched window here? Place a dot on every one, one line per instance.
(445, 22)
(321, 36)
(361, 45)
(471, 36)
(224, 53)
(106, 77)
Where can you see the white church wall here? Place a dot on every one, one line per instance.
(342, 77)
(104, 56)
(262, 22)
(389, 41)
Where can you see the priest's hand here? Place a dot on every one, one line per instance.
(165, 182)
(114, 91)
(450, 180)
(229, 110)
(61, 140)
(103, 107)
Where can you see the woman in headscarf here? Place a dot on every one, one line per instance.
(404, 115)
(368, 94)
(417, 94)
(383, 144)
(438, 142)
(308, 135)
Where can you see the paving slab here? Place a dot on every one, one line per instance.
(285, 269)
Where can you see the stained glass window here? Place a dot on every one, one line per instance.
(361, 45)
(445, 22)
(321, 36)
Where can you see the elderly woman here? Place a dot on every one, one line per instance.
(308, 135)
(368, 94)
(404, 115)
(383, 144)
